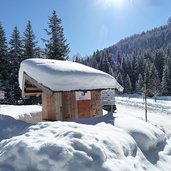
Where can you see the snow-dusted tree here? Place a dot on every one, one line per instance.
(15, 53)
(94, 63)
(140, 64)
(133, 70)
(56, 46)
(159, 62)
(124, 67)
(140, 84)
(154, 81)
(4, 62)
(97, 56)
(1, 85)
(169, 21)
(147, 72)
(166, 89)
(104, 64)
(3, 56)
(29, 43)
(127, 85)
(168, 62)
(119, 79)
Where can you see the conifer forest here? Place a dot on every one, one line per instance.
(135, 61)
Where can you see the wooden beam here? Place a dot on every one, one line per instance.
(23, 87)
(33, 94)
(29, 85)
(35, 83)
(31, 89)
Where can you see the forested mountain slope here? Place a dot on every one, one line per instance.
(146, 41)
(137, 60)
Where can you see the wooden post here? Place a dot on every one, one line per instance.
(51, 107)
(145, 100)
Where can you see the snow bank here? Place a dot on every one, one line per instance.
(66, 75)
(126, 144)
(10, 127)
(68, 147)
(27, 113)
(159, 112)
(146, 135)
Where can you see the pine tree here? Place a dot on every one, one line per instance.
(124, 67)
(116, 68)
(4, 61)
(97, 56)
(105, 63)
(94, 63)
(15, 53)
(140, 64)
(146, 72)
(166, 85)
(29, 44)
(119, 79)
(128, 85)
(139, 84)
(1, 85)
(154, 81)
(169, 21)
(168, 62)
(3, 56)
(118, 58)
(159, 62)
(133, 71)
(56, 46)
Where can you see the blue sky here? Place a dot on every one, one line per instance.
(88, 24)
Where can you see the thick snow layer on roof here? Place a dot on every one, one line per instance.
(66, 75)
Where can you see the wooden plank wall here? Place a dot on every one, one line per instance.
(63, 106)
(48, 107)
(58, 106)
(96, 104)
(69, 106)
(84, 108)
(51, 107)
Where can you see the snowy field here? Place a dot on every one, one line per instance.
(159, 112)
(115, 142)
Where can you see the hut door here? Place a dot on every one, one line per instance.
(84, 108)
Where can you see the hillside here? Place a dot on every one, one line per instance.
(146, 41)
(138, 59)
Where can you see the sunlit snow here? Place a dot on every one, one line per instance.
(113, 142)
(66, 75)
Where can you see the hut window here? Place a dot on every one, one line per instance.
(83, 95)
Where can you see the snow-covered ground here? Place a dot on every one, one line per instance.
(114, 142)
(158, 113)
(29, 113)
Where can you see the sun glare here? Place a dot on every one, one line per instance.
(116, 3)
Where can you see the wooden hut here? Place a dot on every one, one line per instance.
(69, 90)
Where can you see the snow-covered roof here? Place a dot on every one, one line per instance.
(66, 75)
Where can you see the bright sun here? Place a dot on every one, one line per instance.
(118, 3)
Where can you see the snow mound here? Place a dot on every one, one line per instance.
(66, 75)
(10, 127)
(146, 135)
(27, 113)
(70, 146)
